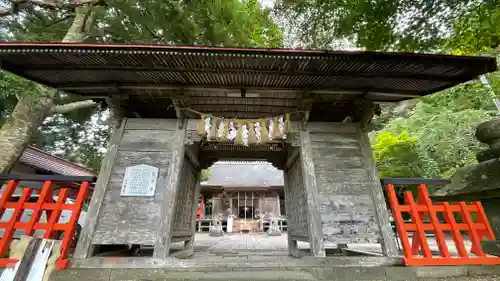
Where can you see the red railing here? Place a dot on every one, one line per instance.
(43, 204)
(424, 217)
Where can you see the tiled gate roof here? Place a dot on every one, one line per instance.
(254, 174)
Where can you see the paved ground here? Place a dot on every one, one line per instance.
(252, 257)
(263, 242)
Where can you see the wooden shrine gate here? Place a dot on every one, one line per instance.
(320, 164)
(147, 188)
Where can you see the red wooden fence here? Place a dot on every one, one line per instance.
(45, 203)
(424, 217)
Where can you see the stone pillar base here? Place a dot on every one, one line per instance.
(491, 247)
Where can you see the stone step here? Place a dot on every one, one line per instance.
(460, 273)
(248, 225)
(227, 276)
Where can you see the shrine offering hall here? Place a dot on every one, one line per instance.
(179, 110)
(245, 195)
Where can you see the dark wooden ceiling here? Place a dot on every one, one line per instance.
(241, 83)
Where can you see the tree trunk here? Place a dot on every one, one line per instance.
(16, 133)
(30, 112)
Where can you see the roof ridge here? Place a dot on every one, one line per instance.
(30, 152)
(242, 162)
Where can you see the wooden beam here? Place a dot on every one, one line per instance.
(189, 245)
(154, 86)
(41, 178)
(191, 155)
(245, 115)
(84, 244)
(363, 112)
(293, 154)
(179, 112)
(389, 246)
(395, 95)
(309, 181)
(270, 72)
(263, 108)
(287, 100)
(246, 107)
(28, 258)
(164, 235)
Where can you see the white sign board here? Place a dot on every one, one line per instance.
(139, 180)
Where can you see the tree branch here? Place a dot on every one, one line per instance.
(17, 5)
(66, 17)
(65, 108)
(46, 4)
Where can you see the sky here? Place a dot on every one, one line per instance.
(267, 3)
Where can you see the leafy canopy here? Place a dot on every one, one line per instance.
(391, 24)
(400, 156)
(440, 130)
(435, 135)
(77, 135)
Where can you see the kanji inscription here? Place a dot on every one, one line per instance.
(139, 180)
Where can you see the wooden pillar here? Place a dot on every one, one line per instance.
(230, 203)
(278, 204)
(389, 245)
(189, 245)
(164, 234)
(216, 206)
(245, 208)
(253, 210)
(293, 248)
(309, 182)
(259, 204)
(84, 245)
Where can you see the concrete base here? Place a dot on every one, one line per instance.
(274, 232)
(292, 274)
(266, 268)
(214, 233)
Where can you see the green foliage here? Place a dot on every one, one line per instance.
(76, 135)
(434, 136)
(401, 156)
(442, 127)
(205, 174)
(72, 135)
(10, 86)
(476, 31)
(81, 141)
(201, 22)
(37, 25)
(374, 25)
(393, 24)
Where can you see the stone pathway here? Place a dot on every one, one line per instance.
(250, 242)
(262, 242)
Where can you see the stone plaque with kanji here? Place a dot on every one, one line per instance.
(139, 180)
